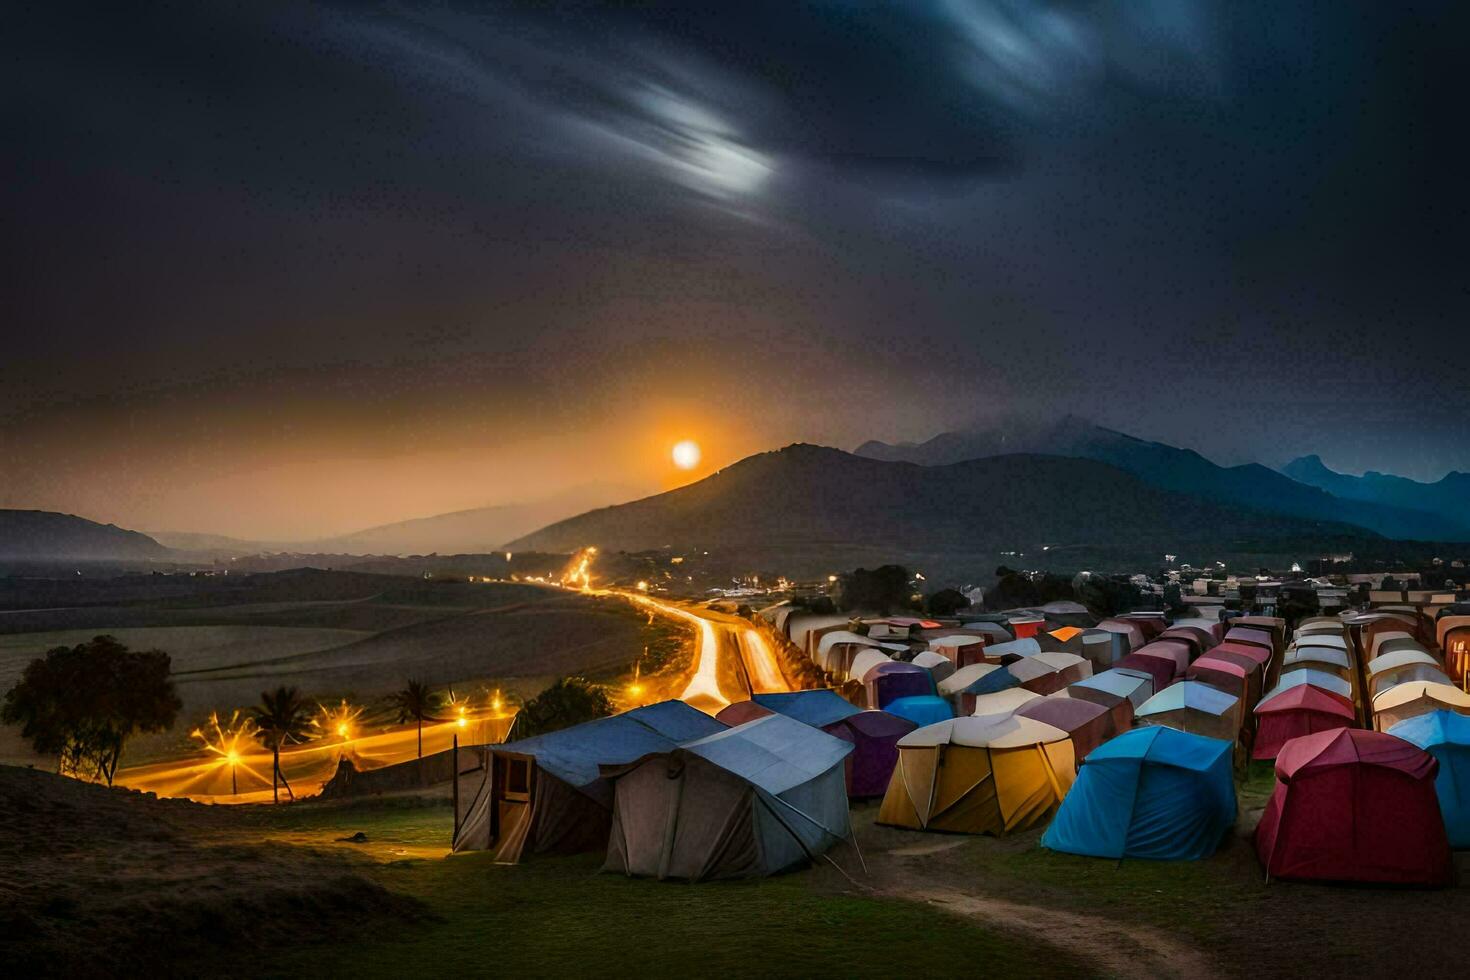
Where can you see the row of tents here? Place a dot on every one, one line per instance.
(1129, 750)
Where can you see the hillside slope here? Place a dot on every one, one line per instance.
(43, 535)
(1448, 498)
(805, 503)
(1183, 470)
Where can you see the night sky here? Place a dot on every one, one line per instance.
(284, 271)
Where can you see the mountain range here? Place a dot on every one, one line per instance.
(41, 535)
(1403, 516)
(480, 530)
(1448, 497)
(807, 505)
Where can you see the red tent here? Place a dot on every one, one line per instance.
(1160, 669)
(1297, 711)
(1355, 805)
(1175, 651)
(1260, 655)
(1200, 640)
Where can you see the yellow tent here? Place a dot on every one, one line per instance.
(978, 776)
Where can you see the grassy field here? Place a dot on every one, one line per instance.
(279, 891)
(344, 635)
(560, 917)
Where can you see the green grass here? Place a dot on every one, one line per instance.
(561, 917)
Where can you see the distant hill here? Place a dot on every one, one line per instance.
(1448, 498)
(41, 535)
(481, 530)
(809, 508)
(1183, 470)
(477, 531)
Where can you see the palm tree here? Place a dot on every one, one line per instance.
(418, 703)
(283, 717)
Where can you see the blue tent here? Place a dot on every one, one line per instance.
(921, 709)
(815, 708)
(1446, 736)
(1149, 793)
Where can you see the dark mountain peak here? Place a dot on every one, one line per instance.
(44, 535)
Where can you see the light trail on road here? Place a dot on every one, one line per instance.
(760, 661)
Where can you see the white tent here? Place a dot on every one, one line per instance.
(754, 800)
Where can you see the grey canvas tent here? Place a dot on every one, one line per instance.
(547, 795)
(750, 801)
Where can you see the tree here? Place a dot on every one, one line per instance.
(283, 717)
(570, 701)
(82, 703)
(946, 602)
(880, 590)
(1105, 597)
(417, 703)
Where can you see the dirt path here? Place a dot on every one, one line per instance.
(1118, 950)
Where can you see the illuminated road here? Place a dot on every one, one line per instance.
(206, 778)
(732, 660)
(721, 638)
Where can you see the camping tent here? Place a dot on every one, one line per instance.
(836, 649)
(1000, 703)
(1199, 640)
(1319, 658)
(896, 679)
(751, 800)
(1316, 678)
(965, 684)
(962, 649)
(1132, 631)
(1297, 711)
(1259, 654)
(937, 664)
(993, 632)
(873, 734)
(1191, 706)
(1446, 736)
(1414, 666)
(1086, 723)
(1178, 653)
(1152, 623)
(1406, 700)
(1159, 670)
(1381, 638)
(921, 710)
(1001, 653)
(1454, 641)
(864, 662)
(1232, 673)
(1136, 686)
(546, 795)
(1046, 673)
(1151, 792)
(1354, 805)
(978, 776)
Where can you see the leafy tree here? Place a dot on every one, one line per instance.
(881, 590)
(946, 602)
(283, 717)
(417, 703)
(570, 701)
(1104, 596)
(82, 703)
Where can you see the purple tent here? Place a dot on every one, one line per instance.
(874, 736)
(895, 679)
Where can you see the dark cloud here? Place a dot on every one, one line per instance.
(1238, 226)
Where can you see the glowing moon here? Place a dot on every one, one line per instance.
(686, 454)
